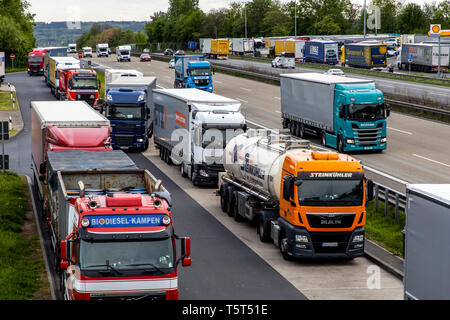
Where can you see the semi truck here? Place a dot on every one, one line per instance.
(242, 46)
(2, 67)
(322, 51)
(290, 48)
(348, 114)
(52, 52)
(128, 107)
(35, 62)
(79, 84)
(427, 258)
(193, 72)
(422, 57)
(111, 228)
(191, 129)
(72, 48)
(310, 204)
(102, 50)
(55, 65)
(64, 125)
(123, 53)
(365, 55)
(215, 48)
(114, 74)
(87, 52)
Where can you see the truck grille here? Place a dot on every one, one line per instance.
(87, 98)
(154, 296)
(325, 221)
(341, 240)
(124, 128)
(364, 136)
(124, 139)
(203, 82)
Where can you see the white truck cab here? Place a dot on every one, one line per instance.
(87, 52)
(123, 53)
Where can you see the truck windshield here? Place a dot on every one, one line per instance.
(154, 255)
(200, 72)
(218, 138)
(364, 112)
(84, 83)
(35, 59)
(331, 192)
(125, 112)
(124, 53)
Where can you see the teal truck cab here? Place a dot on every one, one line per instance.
(348, 114)
(193, 72)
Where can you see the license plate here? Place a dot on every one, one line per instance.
(329, 244)
(368, 148)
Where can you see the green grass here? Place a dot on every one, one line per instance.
(101, 91)
(18, 69)
(5, 100)
(18, 270)
(383, 230)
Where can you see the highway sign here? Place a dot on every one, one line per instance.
(6, 157)
(4, 130)
(12, 56)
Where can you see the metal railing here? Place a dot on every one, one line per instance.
(390, 197)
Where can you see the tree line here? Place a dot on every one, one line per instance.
(16, 30)
(184, 21)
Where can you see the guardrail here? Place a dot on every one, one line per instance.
(390, 197)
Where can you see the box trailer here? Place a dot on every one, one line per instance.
(59, 63)
(365, 55)
(427, 254)
(423, 57)
(321, 51)
(192, 127)
(242, 46)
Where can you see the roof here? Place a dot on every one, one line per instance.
(133, 81)
(81, 160)
(440, 192)
(193, 95)
(323, 78)
(66, 59)
(68, 113)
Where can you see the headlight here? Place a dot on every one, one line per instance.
(141, 97)
(108, 96)
(140, 140)
(383, 140)
(166, 220)
(379, 98)
(301, 238)
(85, 222)
(358, 238)
(350, 141)
(203, 173)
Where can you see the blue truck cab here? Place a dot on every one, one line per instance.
(359, 118)
(130, 118)
(193, 72)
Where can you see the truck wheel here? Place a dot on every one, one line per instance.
(230, 200)
(284, 247)
(145, 145)
(264, 236)
(223, 197)
(292, 126)
(323, 138)
(340, 145)
(183, 170)
(300, 130)
(237, 217)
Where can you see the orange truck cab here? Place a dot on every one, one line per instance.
(79, 84)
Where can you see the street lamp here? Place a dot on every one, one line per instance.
(245, 20)
(295, 18)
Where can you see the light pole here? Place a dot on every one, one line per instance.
(364, 19)
(295, 18)
(245, 20)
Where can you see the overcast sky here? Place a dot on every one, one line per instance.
(120, 10)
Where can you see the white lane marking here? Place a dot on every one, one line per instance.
(217, 81)
(425, 158)
(278, 98)
(242, 100)
(406, 132)
(246, 89)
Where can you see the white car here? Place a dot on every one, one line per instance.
(283, 62)
(335, 72)
(172, 64)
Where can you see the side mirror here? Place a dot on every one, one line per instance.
(186, 262)
(369, 189)
(388, 112)
(64, 265)
(63, 246)
(42, 168)
(186, 246)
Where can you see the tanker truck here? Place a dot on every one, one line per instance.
(310, 203)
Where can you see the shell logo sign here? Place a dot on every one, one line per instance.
(435, 29)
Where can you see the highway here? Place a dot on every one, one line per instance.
(314, 279)
(417, 149)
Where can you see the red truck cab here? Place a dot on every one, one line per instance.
(79, 84)
(35, 61)
(122, 246)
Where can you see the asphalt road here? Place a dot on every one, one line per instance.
(223, 267)
(418, 150)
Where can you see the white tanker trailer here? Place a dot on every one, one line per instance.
(309, 203)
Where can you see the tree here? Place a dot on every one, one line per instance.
(412, 19)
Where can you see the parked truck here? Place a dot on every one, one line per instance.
(427, 258)
(123, 53)
(311, 204)
(55, 65)
(2, 67)
(193, 72)
(102, 50)
(242, 46)
(35, 61)
(348, 114)
(52, 52)
(322, 51)
(365, 55)
(72, 48)
(215, 48)
(111, 228)
(128, 107)
(79, 84)
(422, 57)
(191, 129)
(64, 125)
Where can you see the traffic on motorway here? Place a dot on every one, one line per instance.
(111, 223)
